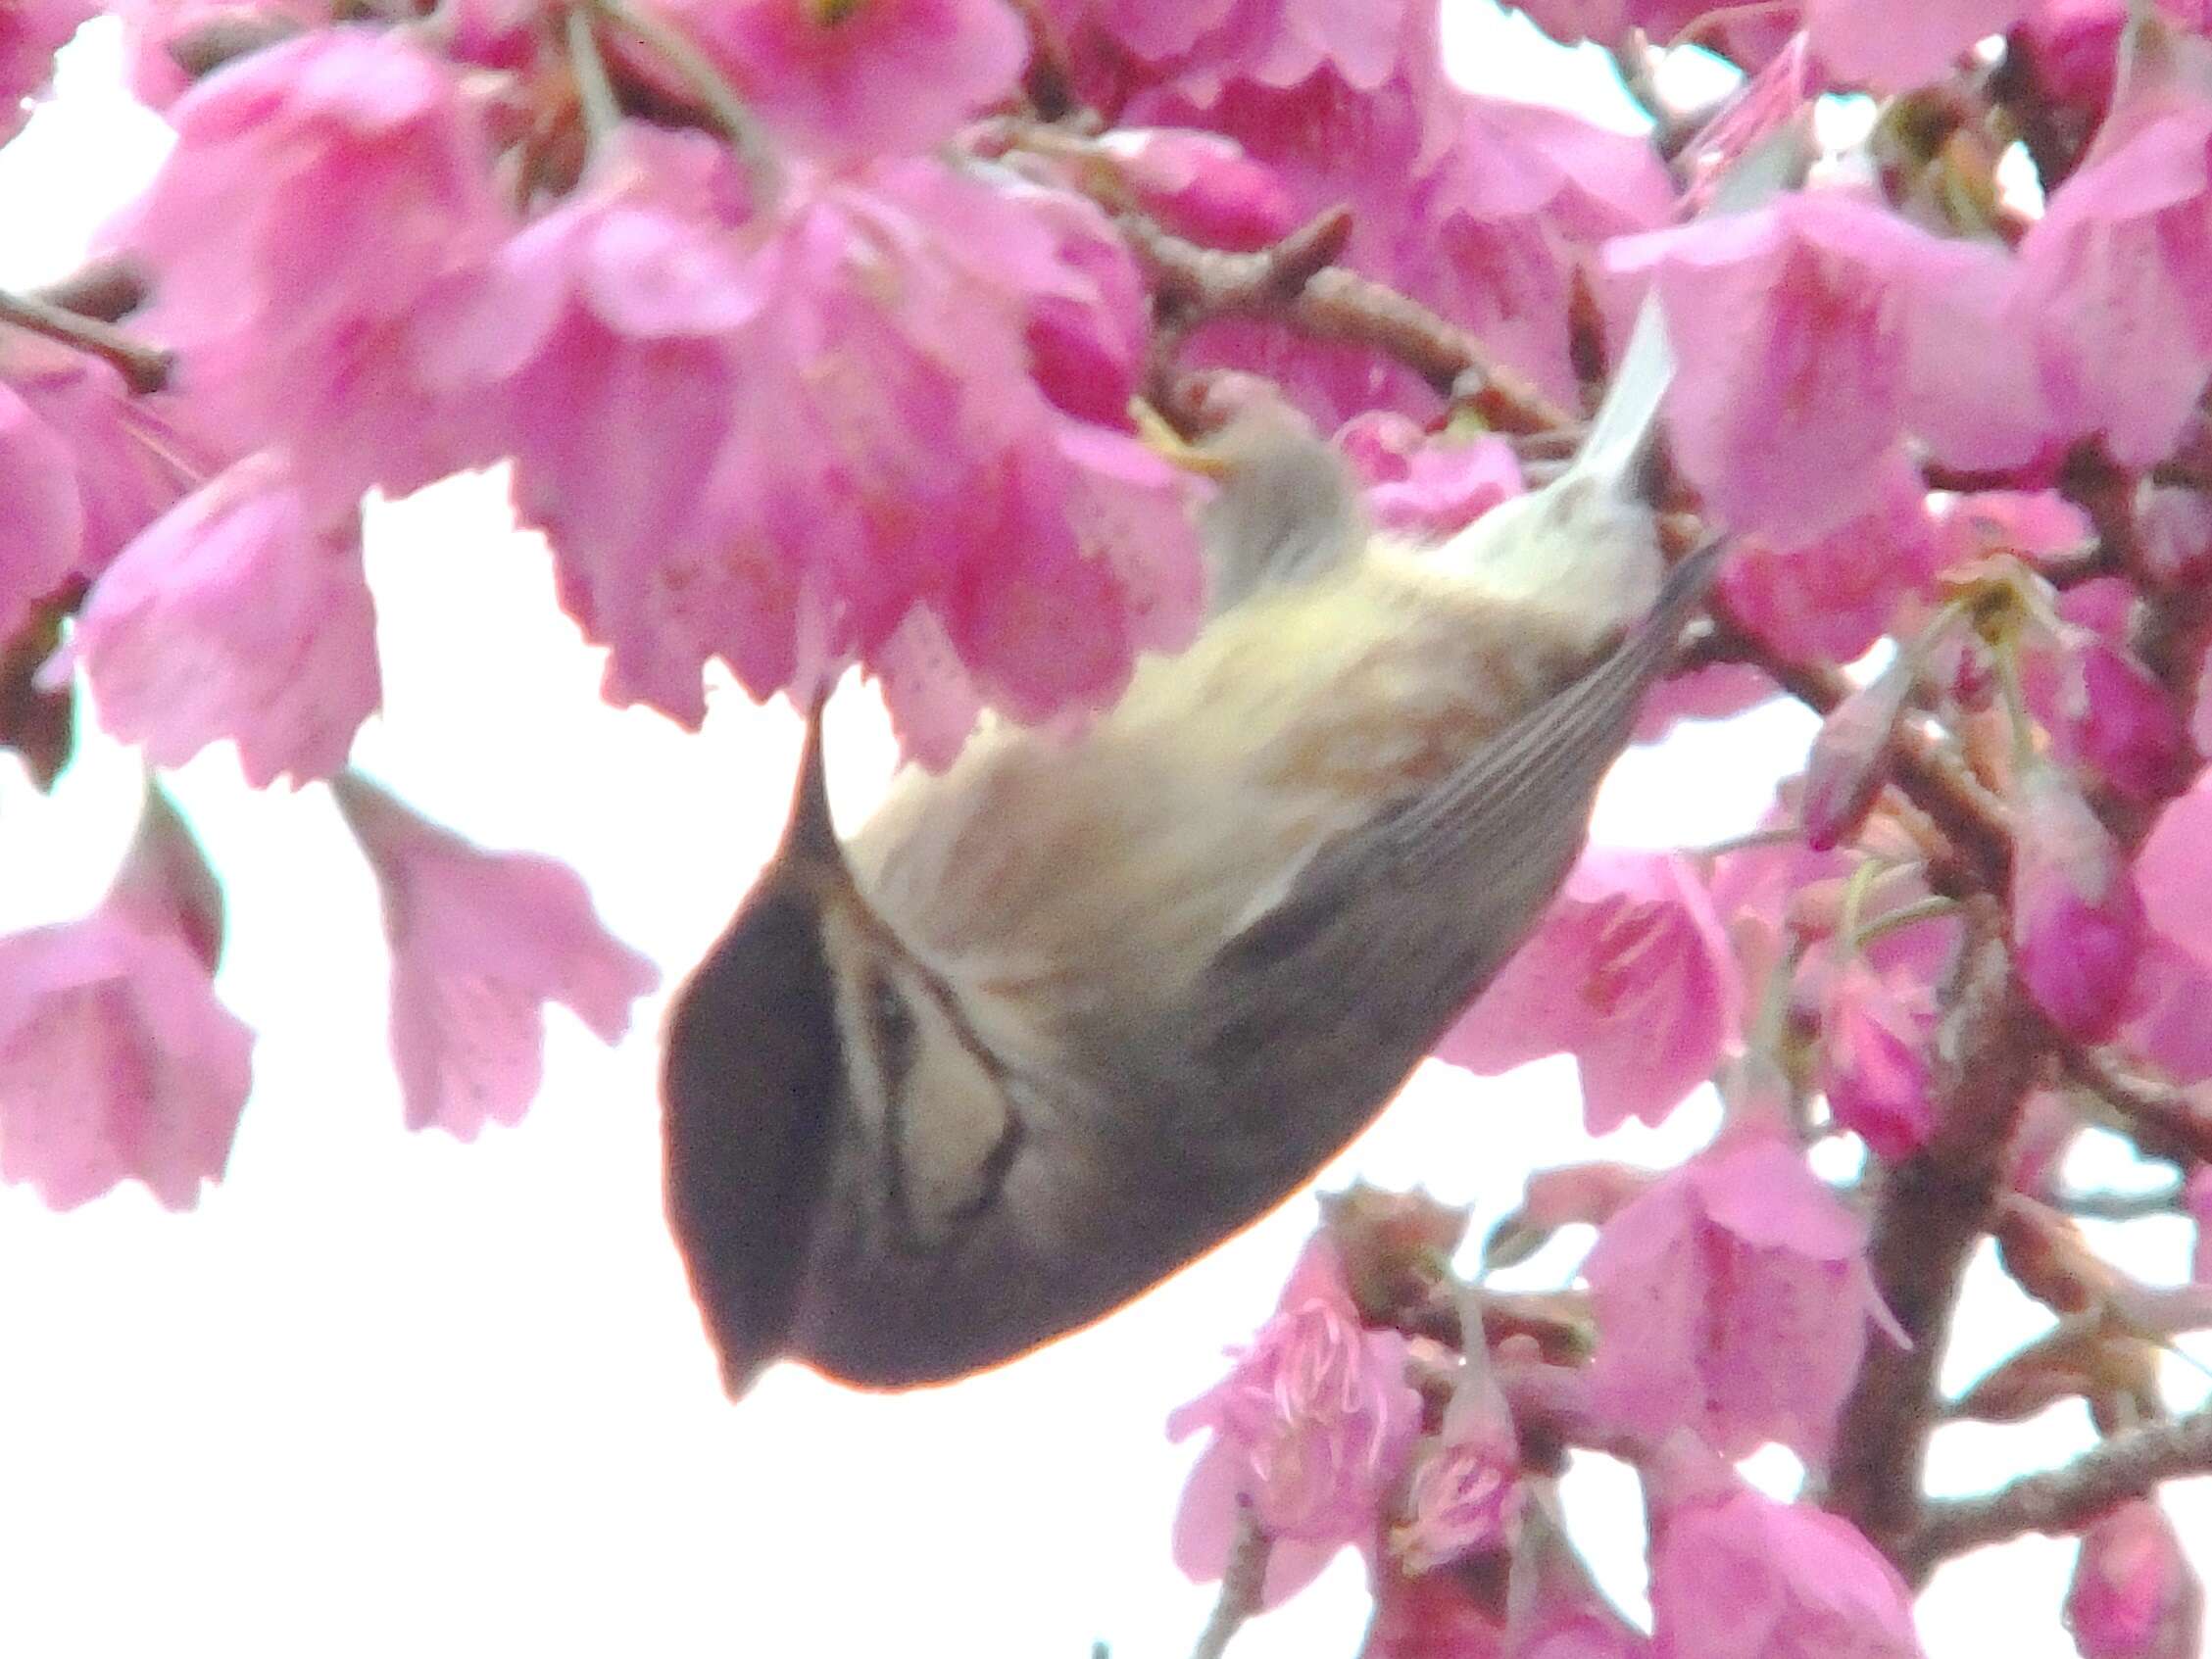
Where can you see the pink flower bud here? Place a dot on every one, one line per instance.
(1874, 1062)
(1201, 185)
(2174, 535)
(2076, 919)
(2134, 1594)
(1851, 758)
(2115, 718)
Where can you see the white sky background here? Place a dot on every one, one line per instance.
(386, 1393)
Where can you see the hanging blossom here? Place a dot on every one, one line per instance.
(849, 79)
(117, 1063)
(324, 197)
(1629, 972)
(1813, 334)
(2117, 274)
(1312, 1428)
(1733, 1299)
(1801, 1584)
(886, 424)
(480, 943)
(237, 615)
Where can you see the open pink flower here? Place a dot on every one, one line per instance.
(1310, 1428)
(480, 943)
(1813, 334)
(1831, 598)
(846, 79)
(2134, 1594)
(1733, 1299)
(237, 614)
(1736, 1574)
(887, 425)
(2118, 274)
(117, 1063)
(322, 192)
(1629, 972)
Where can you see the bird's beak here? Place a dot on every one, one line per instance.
(810, 850)
(1161, 438)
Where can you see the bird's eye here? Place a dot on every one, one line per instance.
(891, 1025)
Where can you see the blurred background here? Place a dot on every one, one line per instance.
(389, 1392)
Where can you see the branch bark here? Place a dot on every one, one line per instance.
(1930, 1210)
(2063, 1500)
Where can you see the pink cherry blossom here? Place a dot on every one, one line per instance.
(2118, 274)
(1733, 1299)
(480, 943)
(1201, 185)
(117, 1063)
(2030, 524)
(1312, 1428)
(846, 82)
(2134, 1594)
(321, 195)
(1712, 691)
(1799, 1584)
(237, 614)
(1873, 1059)
(2077, 920)
(1832, 597)
(31, 31)
(2165, 1014)
(1896, 46)
(1814, 333)
(152, 29)
(1631, 973)
(2174, 536)
(2115, 720)
(887, 425)
(1422, 487)
(1465, 1495)
(132, 454)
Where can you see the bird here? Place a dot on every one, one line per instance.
(1059, 1019)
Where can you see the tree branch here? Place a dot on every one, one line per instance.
(1930, 1210)
(2063, 1500)
(144, 367)
(1327, 302)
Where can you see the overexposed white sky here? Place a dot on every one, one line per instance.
(387, 1392)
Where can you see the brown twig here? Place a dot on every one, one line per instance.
(1929, 1212)
(2163, 1121)
(146, 368)
(1327, 302)
(2063, 1500)
(1940, 785)
(106, 289)
(1241, 1586)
